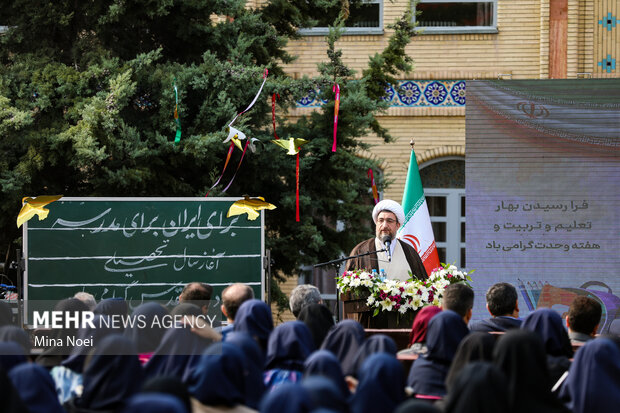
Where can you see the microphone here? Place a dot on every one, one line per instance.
(387, 240)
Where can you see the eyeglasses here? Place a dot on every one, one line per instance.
(388, 221)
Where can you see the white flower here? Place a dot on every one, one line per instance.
(387, 304)
(370, 301)
(355, 282)
(346, 280)
(402, 309)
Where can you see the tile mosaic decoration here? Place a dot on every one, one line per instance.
(410, 94)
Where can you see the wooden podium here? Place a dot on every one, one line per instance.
(393, 324)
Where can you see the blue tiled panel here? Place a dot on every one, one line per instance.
(410, 93)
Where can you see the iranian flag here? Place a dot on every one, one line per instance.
(417, 229)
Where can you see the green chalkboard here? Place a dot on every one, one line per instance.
(140, 248)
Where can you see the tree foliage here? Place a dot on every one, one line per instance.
(87, 100)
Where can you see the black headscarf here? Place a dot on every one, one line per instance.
(17, 335)
(324, 395)
(427, 376)
(75, 361)
(171, 386)
(548, 324)
(593, 382)
(254, 317)
(11, 355)
(474, 347)
(479, 387)
(287, 398)
(112, 376)
(147, 336)
(377, 343)
(344, 339)
(381, 385)
(177, 353)
(219, 377)
(319, 320)
(520, 355)
(255, 362)
(54, 355)
(11, 402)
(289, 345)
(324, 363)
(36, 388)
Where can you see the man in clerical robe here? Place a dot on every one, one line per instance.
(401, 258)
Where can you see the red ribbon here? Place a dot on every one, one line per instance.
(238, 165)
(297, 189)
(336, 89)
(230, 151)
(373, 185)
(273, 113)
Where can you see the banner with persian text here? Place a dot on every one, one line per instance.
(543, 191)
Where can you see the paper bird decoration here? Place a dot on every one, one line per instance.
(35, 206)
(291, 145)
(236, 136)
(249, 206)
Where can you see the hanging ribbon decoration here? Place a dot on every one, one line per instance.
(265, 74)
(177, 137)
(297, 189)
(373, 185)
(247, 142)
(237, 138)
(273, 113)
(336, 89)
(230, 151)
(293, 146)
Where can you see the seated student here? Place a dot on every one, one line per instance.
(112, 375)
(147, 339)
(479, 387)
(584, 316)
(289, 346)
(503, 305)
(35, 388)
(428, 373)
(547, 323)
(381, 385)
(593, 382)
(446, 330)
(217, 383)
(344, 339)
(254, 318)
(319, 320)
(520, 354)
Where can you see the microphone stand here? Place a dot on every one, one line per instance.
(339, 261)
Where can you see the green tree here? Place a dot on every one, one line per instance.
(87, 99)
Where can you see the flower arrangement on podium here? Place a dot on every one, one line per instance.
(400, 296)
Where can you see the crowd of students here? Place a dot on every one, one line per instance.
(310, 365)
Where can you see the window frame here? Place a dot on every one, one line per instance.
(349, 31)
(453, 220)
(459, 29)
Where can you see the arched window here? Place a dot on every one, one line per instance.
(444, 187)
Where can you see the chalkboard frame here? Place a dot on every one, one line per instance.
(183, 200)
